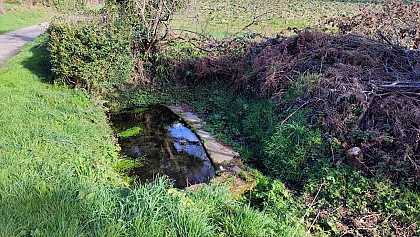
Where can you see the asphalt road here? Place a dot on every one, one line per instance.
(12, 42)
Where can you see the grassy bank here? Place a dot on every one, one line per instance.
(55, 147)
(18, 16)
(56, 176)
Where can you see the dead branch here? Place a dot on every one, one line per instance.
(411, 86)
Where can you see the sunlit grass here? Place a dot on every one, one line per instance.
(54, 145)
(18, 16)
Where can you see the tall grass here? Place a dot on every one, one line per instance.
(54, 146)
(56, 176)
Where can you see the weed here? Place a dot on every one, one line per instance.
(302, 85)
(291, 147)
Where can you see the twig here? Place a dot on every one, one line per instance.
(315, 219)
(254, 20)
(290, 115)
(389, 41)
(194, 32)
(409, 97)
(406, 86)
(370, 215)
(307, 210)
(198, 47)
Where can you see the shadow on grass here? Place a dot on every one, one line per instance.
(39, 62)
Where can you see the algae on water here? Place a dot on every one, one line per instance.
(164, 146)
(130, 132)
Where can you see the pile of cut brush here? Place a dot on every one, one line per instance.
(368, 92)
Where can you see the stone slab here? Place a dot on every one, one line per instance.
(218, 152)
(189, 117)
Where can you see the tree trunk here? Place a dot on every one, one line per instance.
(355, 158)
(2, 8)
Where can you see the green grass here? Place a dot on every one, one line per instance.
(56, 177)
(55, 145)
(17, 17)
(224, 19)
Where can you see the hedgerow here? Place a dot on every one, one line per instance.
(93, 56)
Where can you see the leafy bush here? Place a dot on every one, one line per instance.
(90, 56)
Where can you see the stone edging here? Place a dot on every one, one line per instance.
(220, 154)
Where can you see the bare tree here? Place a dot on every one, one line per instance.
(149, 19)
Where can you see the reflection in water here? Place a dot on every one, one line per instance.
(165, 146)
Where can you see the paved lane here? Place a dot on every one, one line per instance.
(12, 42)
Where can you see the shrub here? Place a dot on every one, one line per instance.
(91, 56)
(101, 52)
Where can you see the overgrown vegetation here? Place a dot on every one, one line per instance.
(328, 94)
(333, 197)
(94, 56)
(292, 106)
(56, 175)
(105, 55)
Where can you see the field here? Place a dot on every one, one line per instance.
(18, 16)
(225, 19)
